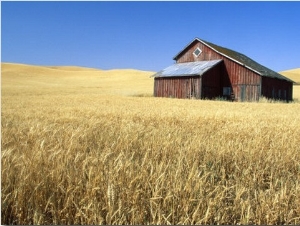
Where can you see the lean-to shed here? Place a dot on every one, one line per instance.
(204, 70)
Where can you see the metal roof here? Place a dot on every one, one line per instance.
(240, 59)
(196, 68)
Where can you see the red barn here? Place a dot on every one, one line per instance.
(204, 70)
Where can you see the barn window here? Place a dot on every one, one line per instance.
(197, 52)
(273, 93)
(226, 91)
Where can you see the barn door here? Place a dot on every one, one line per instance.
(242, 92)
(192, 88)
(249, 92)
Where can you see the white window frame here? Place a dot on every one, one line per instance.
(200, 51)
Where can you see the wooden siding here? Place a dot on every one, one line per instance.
(212, 82)
(245, 83)
(277, 89)
(207, 86)
(178, 87)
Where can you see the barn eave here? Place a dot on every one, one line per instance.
(197, 68)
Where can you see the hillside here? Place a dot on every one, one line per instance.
(70, 79)
(21, 78)
(73, 68)
(293, 74)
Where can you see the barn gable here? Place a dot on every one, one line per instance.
(238, 58)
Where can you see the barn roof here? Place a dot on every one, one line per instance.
(240, 59)
(187, 69)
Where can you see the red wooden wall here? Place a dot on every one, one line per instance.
(277, 89)
(178, 87)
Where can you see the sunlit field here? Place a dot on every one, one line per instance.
(85, 146)
(292, 74)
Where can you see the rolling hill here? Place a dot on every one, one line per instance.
(73, 79)
(293, 74)
(65, 79)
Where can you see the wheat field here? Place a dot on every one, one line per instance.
(85, 146)
(292, 74)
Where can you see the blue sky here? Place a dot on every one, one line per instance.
(146, 35)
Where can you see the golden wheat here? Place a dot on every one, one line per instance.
(292, 74)
(71, 155)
